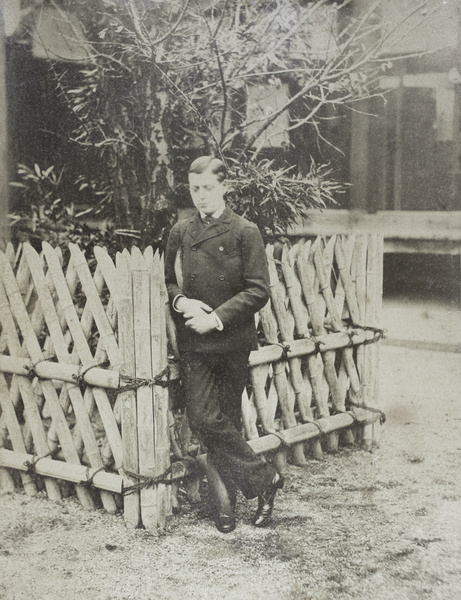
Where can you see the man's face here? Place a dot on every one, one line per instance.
(207, 192)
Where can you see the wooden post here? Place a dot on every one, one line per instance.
(144, 394)
(360, 274)
(378, 323)
(372, 312)
(159, 358)
(130, 463)
(370, 303)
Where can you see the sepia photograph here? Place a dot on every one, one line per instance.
(230, 300)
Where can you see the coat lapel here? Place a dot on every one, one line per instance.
(220, 226)
(195, 226)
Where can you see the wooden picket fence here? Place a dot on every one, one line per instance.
(87, 352)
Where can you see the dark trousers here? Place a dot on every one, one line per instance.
(214, 384)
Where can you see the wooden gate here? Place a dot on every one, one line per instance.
(87, 351)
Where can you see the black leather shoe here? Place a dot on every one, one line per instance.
(224, 523)
(266, 502)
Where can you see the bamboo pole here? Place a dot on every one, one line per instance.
(309, 431)
(6, 479)
(334, 341)
(92, 296)
(14, 431)
(47, 369)
(360, 268)
(352, 282)
(358, 316)
(61, 349)
(310, 277)
(33, 306)
(347, 269)
(269, 327)
(99, 398)
(371, 302)
(300, 315)
(266, 406)
(144, 395)
(124, 302)
(259, 376)
(23, 285)
(323, 265)
(348, 379)
(286, 327)
(326, 252)
(31, 408)
(159, 358)
(64, 398)
(10, 254)
(108, 273)
(8, 402)
(312, 384)
(345, 249)
(56, 469)
(378, 323)
(81, 352)
(249, 416)
(328, 357)
(80, 331)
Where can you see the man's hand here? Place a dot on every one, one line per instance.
(191, 308)
(202, 323)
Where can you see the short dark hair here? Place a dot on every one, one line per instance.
(205, 163)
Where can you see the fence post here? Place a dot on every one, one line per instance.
(144, 394)
(372, 318)
(379, 323)
(159, 355)
(145, 432)
(132, 509)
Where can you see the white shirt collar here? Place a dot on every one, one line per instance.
(216, 214)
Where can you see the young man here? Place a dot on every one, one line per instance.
(224, 283)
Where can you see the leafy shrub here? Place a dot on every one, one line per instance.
(274, 199)
(50, 209)
(47, 209)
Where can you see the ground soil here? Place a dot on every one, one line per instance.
(382, 525)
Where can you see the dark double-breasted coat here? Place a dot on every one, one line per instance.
(223, 265)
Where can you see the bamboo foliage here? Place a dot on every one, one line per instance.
(82, 348)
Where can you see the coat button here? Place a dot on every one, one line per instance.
(221, 277)
(194, 247)
(192, 277)
(221, 248)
